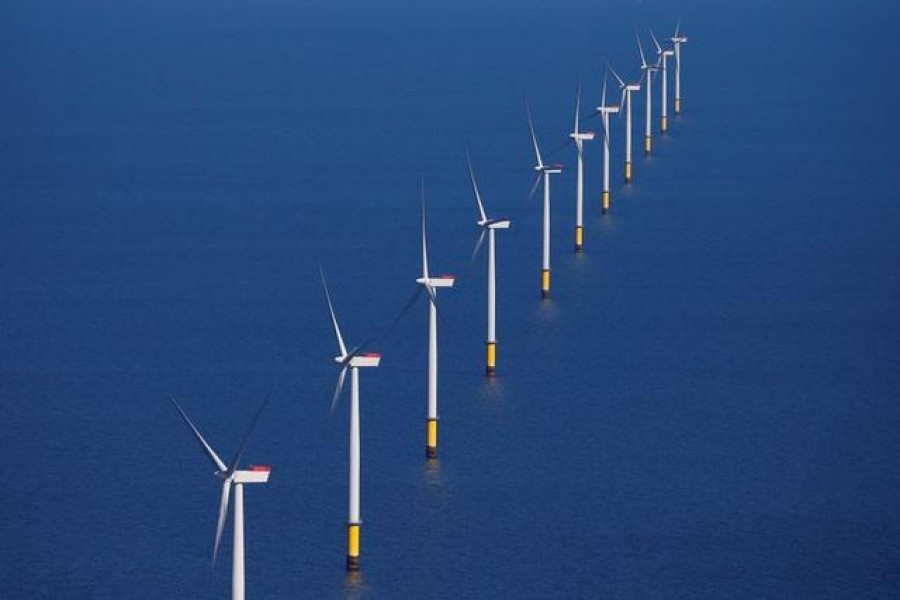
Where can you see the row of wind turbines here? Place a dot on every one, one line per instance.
(359, 357)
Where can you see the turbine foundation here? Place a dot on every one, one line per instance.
(647, 144)
(628, 172)
(677, 106)
(431, 446)
(605, 201)
(491, 358)
(579, 238)
(353, 547)
(664, 124)
(545, 283)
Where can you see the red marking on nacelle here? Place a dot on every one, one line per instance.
(372, 355)
(260, 468)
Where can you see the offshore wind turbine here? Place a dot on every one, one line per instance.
(677, 40)
(431, 285)
(663, 57)
(231, 477)
(604, 111)
(350, 361)
(648, 70)
(488, 226)
(544, 171)
(579, 137)
(627, 90)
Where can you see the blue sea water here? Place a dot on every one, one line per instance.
(706, 408)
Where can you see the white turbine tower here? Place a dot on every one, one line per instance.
(352, 361)
(627, 90)
(604, 111)
(488, 226)
(544, 172)
(231, 476)
(663, 58)
(431, 284)
(677, 40)
(579, 137)
(648, 70)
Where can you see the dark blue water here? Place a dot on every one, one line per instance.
(707, 407)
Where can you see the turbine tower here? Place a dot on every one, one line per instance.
(352, 361)
(544, 171)
(677, 40)
(627, 90)
(431, 285)
(579, 138)
(604, 111)
(648, 70)
(488, 226)
(663, 59)
(231, 477)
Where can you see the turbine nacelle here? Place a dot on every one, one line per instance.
(582, 135)
(633, 87)
(443, 281)
(255, 474)
(369, 359)
(495, 224)
(608, 109)
(678, 40)
(549, 169)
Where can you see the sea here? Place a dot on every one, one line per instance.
(707, 406)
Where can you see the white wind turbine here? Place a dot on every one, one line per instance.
(649, 71)
(544, 171)
(352, 361)
(604, 111)
(579, 137)
(627, 90)
(431, 284)
(677, 40)
(663, 57)
(488, 226)
(231, 476)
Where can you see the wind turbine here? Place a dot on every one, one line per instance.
(663, 56)
(604, 111)
(431, 285)
(627, 90)
(544, 171)
(580, 138)
(648, 70)
(677, 40)
(231, 477)
(488, 226)
(352, 361)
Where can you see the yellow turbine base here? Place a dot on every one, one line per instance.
(545, 283)
(677, 105)
(491, 357)
(647, 144)
(579, 237)
(628, 172)
(664, 126)
(605, 202)
(353, 547)
(431, 447)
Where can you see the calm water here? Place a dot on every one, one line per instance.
(707, 408)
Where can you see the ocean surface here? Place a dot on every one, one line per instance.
(707, 407)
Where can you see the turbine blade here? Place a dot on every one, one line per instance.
(537, 152)
(616, 75)
(678, 27)
(603, 95)
(424, 242)
(240, 450)
(403, 312)
(534, 186)
(223, 511)
(338, 388)
(655, 41)
(220, 466)
(475, 187)
(337, 329)
(640, 49)
(478, 246)
(577, 106)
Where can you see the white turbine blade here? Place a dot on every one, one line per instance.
(424, 242)
(223, 511)
(337, 329)
(537, 152)
(641, 50)
(338, 388)
(206, 447)
(616, 75)
(678, 27)
(577, 107)
(475, 187)
(537, 181)
(603, 95)
(240, 450)
(478, 246)
(655, 41)
(406, 308)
